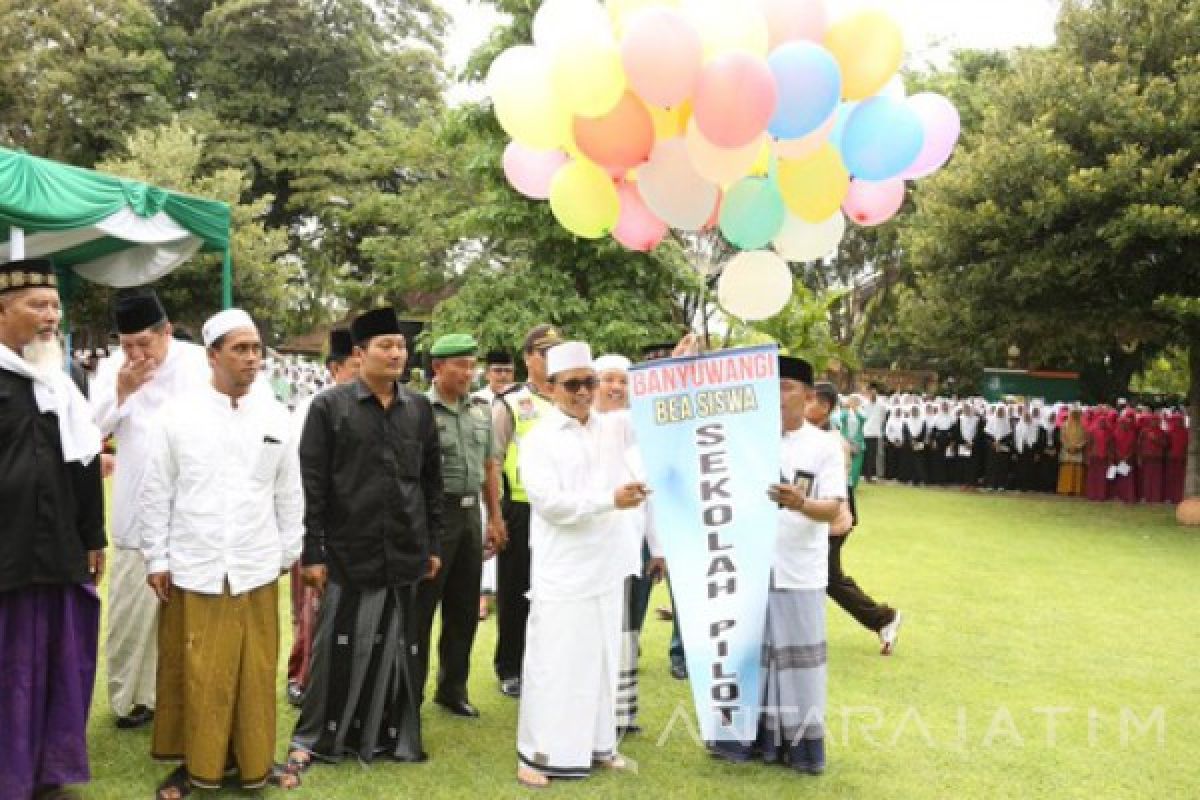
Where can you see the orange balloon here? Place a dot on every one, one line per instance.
(621, 139)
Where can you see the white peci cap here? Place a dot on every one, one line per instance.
(611, 363)
(221, 323)
(568, 355)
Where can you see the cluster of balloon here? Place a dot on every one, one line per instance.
(764, 118)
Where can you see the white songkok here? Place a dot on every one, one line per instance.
(221, 323)
(611, 363)
(568, 355)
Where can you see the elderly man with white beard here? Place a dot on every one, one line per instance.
(574, 469)
(51, 543)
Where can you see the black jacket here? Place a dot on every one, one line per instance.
(51, 512)
(372, 486)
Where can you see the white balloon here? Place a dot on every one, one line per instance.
(754, 285)
(807, 241)
(559, 22)
(673, 190)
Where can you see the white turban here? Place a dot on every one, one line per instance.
(568, 355)
(611, 363)
(223, 322)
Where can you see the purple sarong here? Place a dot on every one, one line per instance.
(48, 637)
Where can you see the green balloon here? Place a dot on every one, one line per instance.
(752, 213)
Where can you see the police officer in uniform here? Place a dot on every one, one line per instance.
(470, 470)
(514, 414)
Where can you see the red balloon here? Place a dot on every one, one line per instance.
(735, 99)
(621, 139)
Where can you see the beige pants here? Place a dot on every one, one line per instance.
(216, 683)
(131, 643)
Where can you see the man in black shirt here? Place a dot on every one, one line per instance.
(51, 546)
(371, 462)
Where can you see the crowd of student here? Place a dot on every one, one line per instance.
(1099, 452)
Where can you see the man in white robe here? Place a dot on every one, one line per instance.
(573, 468)
(150, 371)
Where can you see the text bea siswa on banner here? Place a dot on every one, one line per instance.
(708, 429)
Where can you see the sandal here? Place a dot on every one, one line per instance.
(298, 761)
(175, 787)
(283, 778)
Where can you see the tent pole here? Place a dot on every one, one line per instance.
(227, 281)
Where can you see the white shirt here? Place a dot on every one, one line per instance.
(183, 373)
(873, 427)
(222, 498)
(810, 455)
(571, 472)
(638, 522)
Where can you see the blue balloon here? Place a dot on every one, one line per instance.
(883, 137)
(839, 125)
(752, 213)
(809, 83)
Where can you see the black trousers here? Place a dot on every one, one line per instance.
(456, 588)
(847, 594)
(512, 583)
(870, 457)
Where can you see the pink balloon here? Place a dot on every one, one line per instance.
(794, 20)
(637, 227)
(530, 171)
(872, 203)
(735, 99)
(942, 125)
(662, 54)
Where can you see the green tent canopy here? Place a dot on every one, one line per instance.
(109, 230)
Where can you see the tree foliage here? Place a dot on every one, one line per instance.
(1073, 209)
(77, 76)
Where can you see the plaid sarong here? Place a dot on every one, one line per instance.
(792, 724)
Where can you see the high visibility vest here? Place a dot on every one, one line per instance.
(527, 408)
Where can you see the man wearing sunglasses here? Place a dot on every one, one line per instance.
(575, 473)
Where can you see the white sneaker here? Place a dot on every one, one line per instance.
(889, 633)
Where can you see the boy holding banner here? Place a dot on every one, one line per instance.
(810, 496)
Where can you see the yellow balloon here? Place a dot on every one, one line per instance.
(523, 98)
(868, 47)
(813, 188)
(762, 162)
(584, 200)
(588, 76)
(619, 11)
(670, 122)
(728, 26)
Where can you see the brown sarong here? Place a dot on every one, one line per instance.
(216, 684)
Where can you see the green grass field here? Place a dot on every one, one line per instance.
(1051, 649)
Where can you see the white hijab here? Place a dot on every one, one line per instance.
(968, 424)
(997, 426)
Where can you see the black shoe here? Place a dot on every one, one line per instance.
(679, 671)
(138, 716)
(459, 708)
(510, 687)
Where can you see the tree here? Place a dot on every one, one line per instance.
(172, 156)
(78, 75)
(1068, 225)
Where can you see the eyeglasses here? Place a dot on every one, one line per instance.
(575, 384)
